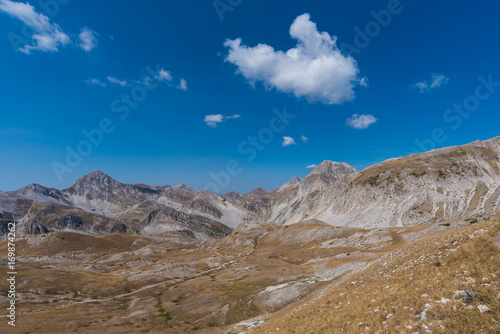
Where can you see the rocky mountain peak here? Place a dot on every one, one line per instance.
(183, 187)
(94, 181)
(331, 169)
(259, 192)
(97, 175)
(233, 194)
(32, 187)
(97, 178)
(37, 191)
(294, 180)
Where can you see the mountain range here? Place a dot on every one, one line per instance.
(429, 188)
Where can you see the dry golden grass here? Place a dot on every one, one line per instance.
(391, 295)
(76, 283)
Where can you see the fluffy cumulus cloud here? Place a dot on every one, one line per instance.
(213, 120)
(315, 69)
(117, 81)
(437, 80)
(87, 39)
(47, 36)
(311, 166)
(360, 121)
(288, 141)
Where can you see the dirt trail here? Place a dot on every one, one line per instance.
(204, 273)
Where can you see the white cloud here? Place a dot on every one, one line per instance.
(363, 82)
(183, 85)
(213, 120)
(421, 86)
(48, 36)
(360, 121)
(146, 80)
(159, 75)
(304, 138)
(116, 81)
(164, 75)
(288, 141)
(437, 80)
(311, 166)
(315, 69)
(88, 39)
(93, 81)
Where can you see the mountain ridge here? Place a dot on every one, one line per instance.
(426, 188)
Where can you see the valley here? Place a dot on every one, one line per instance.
(118, 283)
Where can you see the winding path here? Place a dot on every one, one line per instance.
(203, 273)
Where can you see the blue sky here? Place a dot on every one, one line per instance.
(63, 68)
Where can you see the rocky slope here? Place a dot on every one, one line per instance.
(442, 185)
(433, 187)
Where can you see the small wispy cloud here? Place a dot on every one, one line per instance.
(304, 138)
(88, 39)
(94, 81)
(114, 80)
(437, 80)
(183, 85)
(288, 141)
(47, 36)
(312, 166)
(360, 122)
(150, 78)
(213, 120)
(164, 75)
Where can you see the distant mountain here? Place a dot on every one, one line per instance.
(98, 204)
(293, 181)
(428, 188)
(258, 192)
